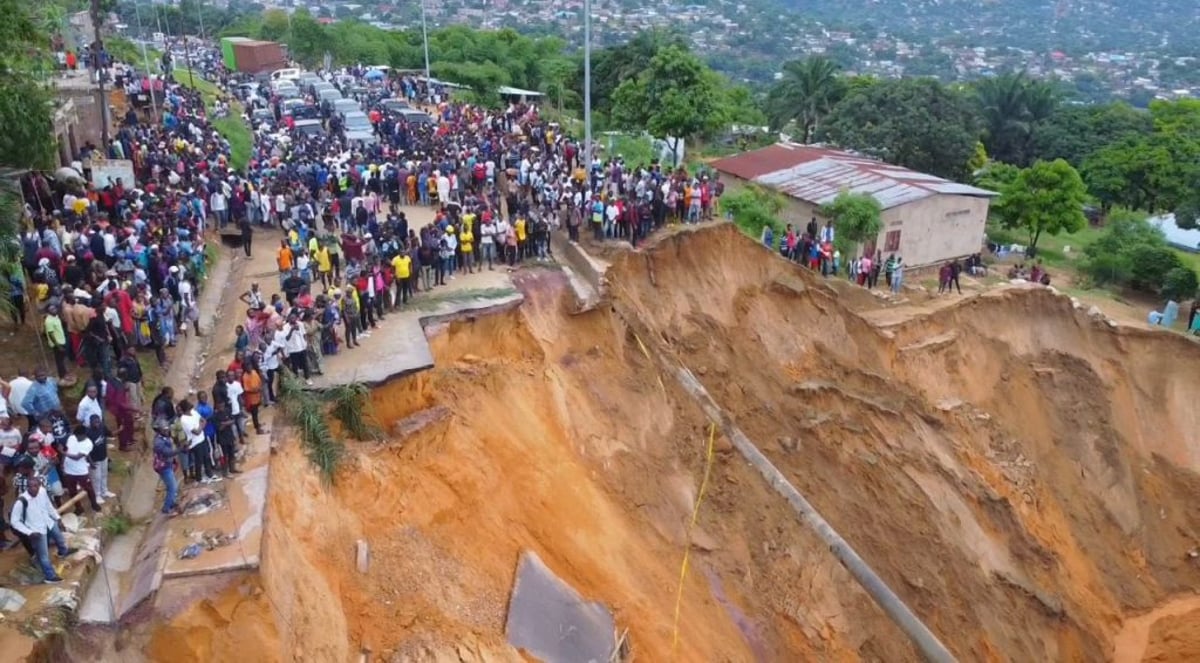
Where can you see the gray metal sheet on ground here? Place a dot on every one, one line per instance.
(550, 621)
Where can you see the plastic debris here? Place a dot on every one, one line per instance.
(191, 552)
(10, 601)
(63, 597)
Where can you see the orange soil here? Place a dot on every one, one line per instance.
(1019, 473)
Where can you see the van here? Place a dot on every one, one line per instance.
(289, 74)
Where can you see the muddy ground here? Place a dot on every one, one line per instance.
(1021, 474)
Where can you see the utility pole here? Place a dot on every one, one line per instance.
(587, 88)
(97, 50)
(146, 58)
(425, 38)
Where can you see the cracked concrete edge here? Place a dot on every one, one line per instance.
(143, 486)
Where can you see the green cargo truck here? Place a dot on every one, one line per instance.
(228, 54)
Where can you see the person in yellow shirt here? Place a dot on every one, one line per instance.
(466, 244)
(402, 268)
(519, 226)
(412, 188)
(324, 264)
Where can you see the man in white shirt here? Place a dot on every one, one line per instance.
(36, 520)
(77, 469)
(10, 442)
(217, 203)
(198, 446)
(233, 387)
(296, 346)
(89, 405)
(17, 390)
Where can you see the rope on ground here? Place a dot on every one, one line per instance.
(683, 568)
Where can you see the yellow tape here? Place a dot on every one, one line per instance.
(683, 568)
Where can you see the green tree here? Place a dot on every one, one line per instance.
(26, 107)
(1012, 105)
(753, 207)
(614, 65)
(1047, 197)
(1075, 133)
(996, 176)
(917, 123)
(1180, 283)
(805, 94)
(858, 218)
(676, 98)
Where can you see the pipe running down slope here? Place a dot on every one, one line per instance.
(923, 639)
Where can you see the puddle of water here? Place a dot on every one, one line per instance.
(1129, 645)
(745, 625)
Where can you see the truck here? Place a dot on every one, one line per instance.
(252, 56)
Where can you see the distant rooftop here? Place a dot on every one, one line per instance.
(817, 175)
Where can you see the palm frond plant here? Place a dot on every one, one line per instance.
(351, 405)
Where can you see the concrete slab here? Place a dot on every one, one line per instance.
(146, 575)
(102, 598)
(239, 517)
(399, 347)
(550, 621)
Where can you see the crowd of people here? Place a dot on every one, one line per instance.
(815, 247)
(111, 271)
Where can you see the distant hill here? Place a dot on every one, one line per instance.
(1135, 25)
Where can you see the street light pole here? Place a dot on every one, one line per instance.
(425, 39)
(146, 58)
(97, 51)
(587, 88)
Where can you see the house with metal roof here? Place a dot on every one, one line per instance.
(926, 219)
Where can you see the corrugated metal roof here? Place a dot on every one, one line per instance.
(817, 175)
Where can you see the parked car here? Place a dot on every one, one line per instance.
(344, 106)
(309, 128)
(394, 105)
(414, 116)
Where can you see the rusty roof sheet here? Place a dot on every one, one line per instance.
(817, 175)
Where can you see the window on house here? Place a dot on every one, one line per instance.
(892, 241)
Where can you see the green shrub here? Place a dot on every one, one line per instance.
(1180, 283)
(116, 524)
(307, 414)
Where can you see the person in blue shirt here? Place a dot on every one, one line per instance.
(42, 397)
(205, 409)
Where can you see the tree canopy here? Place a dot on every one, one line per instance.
(1047, 197)
(26, 108)
(806, 93)
(917, 123)
(857, 216)
(1011, 106)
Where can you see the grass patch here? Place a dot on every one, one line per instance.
(241, 141)
(116, 524)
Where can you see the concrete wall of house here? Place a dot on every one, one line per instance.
(89, 105)
(931, 230)
(936, 228)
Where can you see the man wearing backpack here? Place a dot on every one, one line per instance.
(35, 517)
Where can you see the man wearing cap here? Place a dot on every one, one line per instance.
(164, 462)
(35, 517)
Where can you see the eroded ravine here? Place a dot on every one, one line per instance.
(1019, 473)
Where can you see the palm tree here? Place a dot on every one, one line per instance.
(805, 93)
(1012, 105)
